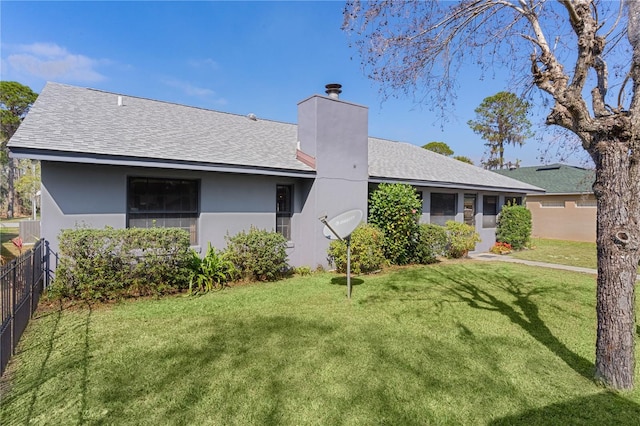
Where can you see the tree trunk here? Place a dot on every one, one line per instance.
(618, 237)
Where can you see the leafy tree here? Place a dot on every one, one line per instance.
(501, 120)
(27, 183)
(440, 148)
(395, 208)
(566, 50)
(15, 101)
(463, 159)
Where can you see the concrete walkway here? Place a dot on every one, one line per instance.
(502, 258)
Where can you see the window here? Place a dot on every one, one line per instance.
(489, 211)
(443, 207)
(513, 201)
(168, 203)
(470, 209)
(586, 202)
(283, 210)
(552, 203)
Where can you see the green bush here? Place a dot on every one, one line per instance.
(395, 209)
(258, 255)
(210, 272)
(461, 238)
(431, 242)
(367, 254)
(514, 226)
(106, 264)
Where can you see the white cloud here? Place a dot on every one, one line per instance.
(191, 90)
(52, 62)
(207, 63)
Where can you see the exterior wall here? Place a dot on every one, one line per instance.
(564, 217)
(335, 134)
(75, 195)
(487, 235)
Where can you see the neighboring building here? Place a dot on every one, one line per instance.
(567, 211)
(121, 161)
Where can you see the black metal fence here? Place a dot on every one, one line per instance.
(21, 283)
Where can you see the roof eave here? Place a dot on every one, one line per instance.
(85, 158)
(457, 185)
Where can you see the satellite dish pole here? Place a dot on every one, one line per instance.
(340, 228)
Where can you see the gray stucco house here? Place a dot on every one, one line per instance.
(123, 161)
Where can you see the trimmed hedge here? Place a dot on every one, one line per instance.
(258, 255)
(107, 264)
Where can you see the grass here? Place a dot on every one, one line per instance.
(454, 343)
(8, 250)
(562, 252)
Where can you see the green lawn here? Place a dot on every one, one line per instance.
(571, 253)
(455, 343)
(7, 249)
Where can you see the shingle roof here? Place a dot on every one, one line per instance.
(405, 161)
(68, 120)
(555, 178)
(78, 120)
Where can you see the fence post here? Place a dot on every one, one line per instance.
(14, 279)
(33, 277)
(47, 264)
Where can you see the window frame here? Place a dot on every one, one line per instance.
(441, 216)
(283, 216)
(185, 192)
(489, 220)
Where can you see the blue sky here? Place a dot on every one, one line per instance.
(238, 57)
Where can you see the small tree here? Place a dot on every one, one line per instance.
(395, 209)
(15, 101)
(501, 120)
(439, 147)
(463, 159)
(514, 226)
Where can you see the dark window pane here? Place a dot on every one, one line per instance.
(443, 207)
(489, 211)
(283, 210)
(168, 203)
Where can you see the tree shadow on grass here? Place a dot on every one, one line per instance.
(599, 409)
(343, 281)
(527, 315)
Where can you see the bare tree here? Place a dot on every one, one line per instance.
(571, 50)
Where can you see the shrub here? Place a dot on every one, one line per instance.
(514, 226)
(431, 242)
(460, 239)
(105, 264)
(501, 248)
(367, 254)
(303, 271)
(395, 209)
(210, 272)
(258, 254)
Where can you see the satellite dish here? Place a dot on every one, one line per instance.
(341, 226)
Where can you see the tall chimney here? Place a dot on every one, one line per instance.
(333, 90)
